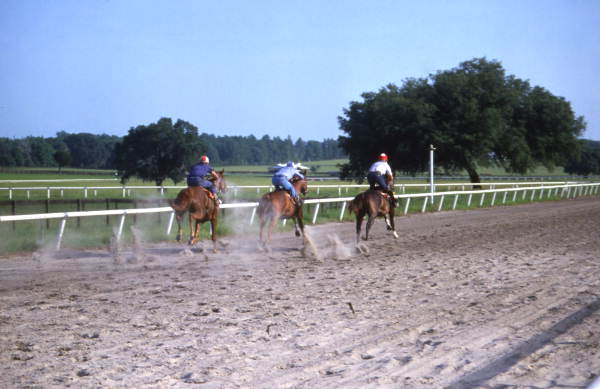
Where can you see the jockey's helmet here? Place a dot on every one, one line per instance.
(204, 159)
(290, 164)
(383, 157)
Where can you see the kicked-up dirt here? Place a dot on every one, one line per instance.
(505, 297)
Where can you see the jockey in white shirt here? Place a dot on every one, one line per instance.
(377, 173)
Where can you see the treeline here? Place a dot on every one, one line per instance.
(248, 150)
(81, 150)
(84, 150)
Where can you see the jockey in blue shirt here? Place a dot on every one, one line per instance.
(282, 177)
(199, 173)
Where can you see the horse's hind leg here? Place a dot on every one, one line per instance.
(194, 230)
(370, 222)
(359, 219)
(300, 223)
(393, 224)
(179, 218)
(213, 235)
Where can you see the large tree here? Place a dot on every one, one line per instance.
(474, 114)
(588, 162)
(158, 151)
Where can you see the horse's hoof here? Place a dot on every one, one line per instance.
(298, 233)
(389, 228)
(395, 235)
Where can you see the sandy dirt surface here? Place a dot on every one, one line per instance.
(506, 297)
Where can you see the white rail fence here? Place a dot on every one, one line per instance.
(567, 191)
(126, 190)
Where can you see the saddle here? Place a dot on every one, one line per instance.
(387, 196)
(210, 195)
(296, 203)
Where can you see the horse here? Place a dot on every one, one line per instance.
(374, 202)
(279, 205)
(201, 206)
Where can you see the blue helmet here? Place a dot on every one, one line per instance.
(290, 164)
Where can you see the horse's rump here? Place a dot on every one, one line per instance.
(370, 201)
(279, 200)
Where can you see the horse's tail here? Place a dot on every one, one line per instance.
(354, 205)
(180, 204)
(263, 204)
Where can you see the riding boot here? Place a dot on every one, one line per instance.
(392, 197)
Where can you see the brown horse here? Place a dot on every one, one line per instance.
(373, 203)
(277, 205)
(201, 207)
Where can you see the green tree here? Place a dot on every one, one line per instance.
(62, 158)
(474, 114)
(588, 162)
(158, 151)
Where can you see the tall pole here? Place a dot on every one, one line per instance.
(431, 185)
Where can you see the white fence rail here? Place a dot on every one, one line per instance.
(532, 192)
(126, 190)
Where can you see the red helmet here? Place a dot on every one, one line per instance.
(383, 157)
(204, 159)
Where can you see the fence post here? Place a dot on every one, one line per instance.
(343, 209)
(424, 204)
(482, 199)
(504, 198)
(493, 199)
(469, 200)
(441, 202)
(85, 192)
(253, 213)
(455, 201)
(514, 196)
(121, 224)
(406, 206)
(48, 192)
(170, 225)
(314, 220)
(61, 231)
(10, 193)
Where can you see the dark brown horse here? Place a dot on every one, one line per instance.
(202, 207)
(277, 205)
(373, 203)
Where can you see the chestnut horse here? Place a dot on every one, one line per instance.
(201, 207)
(374, 203)
(279, 205)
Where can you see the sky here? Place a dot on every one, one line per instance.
(277, 68)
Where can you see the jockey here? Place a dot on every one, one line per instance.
(283, 176)
(377, 173)
(199, 173)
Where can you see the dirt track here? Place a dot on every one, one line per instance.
(506, 297)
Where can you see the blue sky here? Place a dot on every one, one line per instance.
(270, 67)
